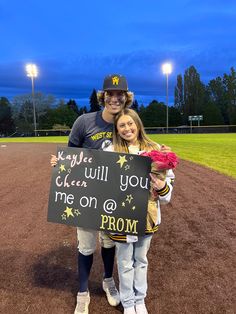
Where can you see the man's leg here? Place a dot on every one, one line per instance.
(84, 268)
(108, 256)
(86, 246)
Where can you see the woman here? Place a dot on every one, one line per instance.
(129, 137)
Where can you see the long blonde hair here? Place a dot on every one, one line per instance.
(145, 143)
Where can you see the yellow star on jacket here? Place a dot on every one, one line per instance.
(121, 161)
(68, 212)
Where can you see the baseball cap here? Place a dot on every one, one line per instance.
(115, 82)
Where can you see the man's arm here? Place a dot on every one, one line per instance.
(70, 144)
(76, 137)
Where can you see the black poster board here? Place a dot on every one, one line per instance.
(100, 190)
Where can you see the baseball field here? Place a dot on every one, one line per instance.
(192, 260)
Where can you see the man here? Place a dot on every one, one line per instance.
(94, 130)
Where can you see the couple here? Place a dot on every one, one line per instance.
(122, 126)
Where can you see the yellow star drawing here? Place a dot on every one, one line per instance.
(68, 212)
(62, 168)
(133, 208)
(123, 204)
(63, 216)
(129, 198)
(121, 161)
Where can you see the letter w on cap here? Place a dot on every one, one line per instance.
(115, 80)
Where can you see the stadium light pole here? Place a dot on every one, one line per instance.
(167, 69)
(32, 72)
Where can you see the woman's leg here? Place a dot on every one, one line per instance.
(125, 261)
(140, 267)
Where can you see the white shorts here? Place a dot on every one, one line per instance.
(87, 239)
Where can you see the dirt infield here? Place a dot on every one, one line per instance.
(192, 260)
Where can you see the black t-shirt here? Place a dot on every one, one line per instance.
(91, 131)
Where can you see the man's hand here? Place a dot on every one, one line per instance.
(53, 160)
(165, 149)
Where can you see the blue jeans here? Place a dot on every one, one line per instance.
(132, 270)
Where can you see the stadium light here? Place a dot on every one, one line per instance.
(167, 69)
(32, 72)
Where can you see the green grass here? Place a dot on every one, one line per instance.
(43, 139)
(216, 151)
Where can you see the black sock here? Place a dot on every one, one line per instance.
(108, 256)
(84, 267)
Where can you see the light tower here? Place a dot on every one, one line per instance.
(32, 72)
(167, 69)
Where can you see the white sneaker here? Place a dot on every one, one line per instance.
(141, 308)
(129, 310)
(83, 300)
(112, 293)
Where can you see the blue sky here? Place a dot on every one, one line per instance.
(75, 44)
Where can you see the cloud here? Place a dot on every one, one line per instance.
(75, 77)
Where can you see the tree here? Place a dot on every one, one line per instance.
(23, 110)
(154, 114)
(212, 115)
(25, 118)
(6, 121)
(83, 110)
(73, 106)
(222, 93)
(63, 114)
(42, 102)
(175, 116)
(217, 96)
(142, 111)
(94, 105)
(229, 82)
(135, 106)
(179, 94)
(194, 93)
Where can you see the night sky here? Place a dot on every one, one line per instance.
(76, 43)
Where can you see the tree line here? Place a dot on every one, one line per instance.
(215, 101)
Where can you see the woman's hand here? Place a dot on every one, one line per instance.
(165, 149)
(53, 160)
(157, 184)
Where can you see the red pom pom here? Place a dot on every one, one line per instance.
(163, 161)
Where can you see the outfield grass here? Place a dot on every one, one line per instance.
(42, 139)
(216, 151)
